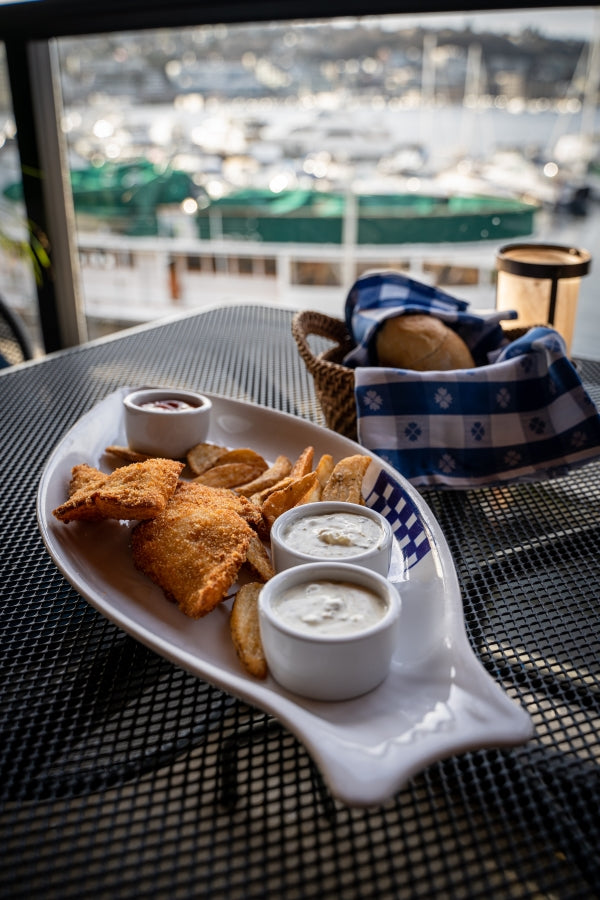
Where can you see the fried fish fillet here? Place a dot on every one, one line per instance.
(80, 505)
(222, 498)
(138, 491)
(192, 552)
(85, 477)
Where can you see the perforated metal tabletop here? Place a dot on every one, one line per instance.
(125, 776)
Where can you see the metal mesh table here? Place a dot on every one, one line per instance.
(124, 776)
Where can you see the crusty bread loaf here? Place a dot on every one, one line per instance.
(421, 342)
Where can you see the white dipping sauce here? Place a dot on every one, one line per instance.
(329, 607)
(333, 535)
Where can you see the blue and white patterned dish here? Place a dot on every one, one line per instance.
(437, 700)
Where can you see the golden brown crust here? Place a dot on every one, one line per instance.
(245, 630)
(204, 456)
(84, 477)
(267, 479)
(286, 497)
(258, 560)
(138, 491)
(228, 475)
(304, 463)
(345, 481)
(422, 343)
(126, 453)
(192, 552)
(222, 498)
(80, 506)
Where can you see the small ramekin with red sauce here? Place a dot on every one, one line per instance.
(166, 421)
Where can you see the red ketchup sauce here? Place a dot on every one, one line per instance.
(168, 405)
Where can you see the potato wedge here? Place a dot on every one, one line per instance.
(244, 455)
(304, 463)
(258, 560)
(345, 482)
(245, 630)
(126, 453)
(324, 468)
(204, 456)
(267, 479)
(313, 495)
(228, 475)
(277, 502)
(261, 496)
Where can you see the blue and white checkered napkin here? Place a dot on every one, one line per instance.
(521, 415)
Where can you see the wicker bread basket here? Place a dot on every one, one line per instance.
(334, 382)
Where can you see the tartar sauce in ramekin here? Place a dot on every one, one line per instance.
(329, 607)
(329, 535)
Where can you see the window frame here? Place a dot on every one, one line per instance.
(28, 29)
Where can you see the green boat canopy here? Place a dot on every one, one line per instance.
(130, 193)
(130, 196)
(320, 217)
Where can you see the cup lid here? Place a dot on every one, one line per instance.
(526, 259)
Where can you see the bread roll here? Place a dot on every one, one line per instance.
(421, 342)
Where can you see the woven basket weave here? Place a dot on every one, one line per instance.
(334, 382)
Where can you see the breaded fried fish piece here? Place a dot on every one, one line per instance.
(85, 477)
(80, 505)
(192, 552)
(221, 498)
(138, 491)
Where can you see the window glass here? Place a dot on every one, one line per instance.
(323, 149)
(19, 262)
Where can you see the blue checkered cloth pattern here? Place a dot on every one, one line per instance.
(522, 414)
(388, 498)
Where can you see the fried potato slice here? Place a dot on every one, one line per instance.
(126, 453)
(313, 495)
(245, 630)
(324, 468)
(304, 463)
(267, 479)
(281, 500)
(258, 560)
(261, 496)
(244, 455)
(192, 552)
(204, 456)
(137, 491)
(345, 482)
(228, 475)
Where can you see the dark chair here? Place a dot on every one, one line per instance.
(15, 343)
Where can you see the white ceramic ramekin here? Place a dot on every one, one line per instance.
(377, 557)
(327, 666)
(165, 432)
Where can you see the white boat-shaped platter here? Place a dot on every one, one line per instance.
(437, 701)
